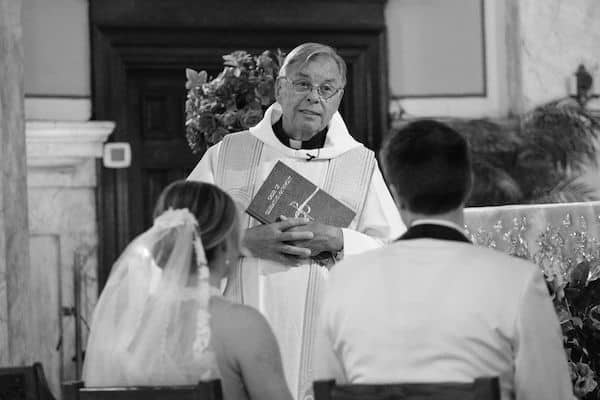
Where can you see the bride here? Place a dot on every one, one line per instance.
(161, 320)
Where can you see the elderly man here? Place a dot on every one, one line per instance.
(432, 307)
(281, 276)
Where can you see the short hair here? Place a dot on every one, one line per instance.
(305, 52)
(215, 211)
(429, 165)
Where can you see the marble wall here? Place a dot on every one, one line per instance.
(555, 37)
(61, 172)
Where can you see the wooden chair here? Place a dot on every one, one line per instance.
(204, 390)
(24, 383)
(480, 389)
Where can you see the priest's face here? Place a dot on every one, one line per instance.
(309, 95)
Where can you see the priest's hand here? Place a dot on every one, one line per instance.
(326, 238)
(278, 241)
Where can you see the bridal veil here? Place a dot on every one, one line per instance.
(151, 325)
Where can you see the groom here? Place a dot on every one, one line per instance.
(432, 307)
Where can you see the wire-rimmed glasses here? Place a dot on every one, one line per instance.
(325, 90)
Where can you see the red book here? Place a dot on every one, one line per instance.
(286, 192)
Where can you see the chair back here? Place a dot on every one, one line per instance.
(204, 390)
(480, 389)
(24, 383)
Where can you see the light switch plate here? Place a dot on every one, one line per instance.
(117, 155)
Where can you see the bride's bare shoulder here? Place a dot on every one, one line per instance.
(242, 328)
(227, 314)
(248, 345)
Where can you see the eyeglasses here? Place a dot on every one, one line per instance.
(325, 90)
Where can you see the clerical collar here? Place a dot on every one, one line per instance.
(316, 142)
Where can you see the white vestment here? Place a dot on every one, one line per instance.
(427, 310)
(278, 291)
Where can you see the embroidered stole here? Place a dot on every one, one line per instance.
(348, 178)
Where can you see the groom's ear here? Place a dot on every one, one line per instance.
(396, 196)
(399, 200)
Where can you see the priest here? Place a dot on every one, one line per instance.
(288, 260)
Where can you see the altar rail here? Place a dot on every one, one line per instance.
(526, 228)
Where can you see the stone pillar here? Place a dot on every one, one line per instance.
(62, 162)
(16, 323)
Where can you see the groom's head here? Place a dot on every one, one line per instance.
(428, 167)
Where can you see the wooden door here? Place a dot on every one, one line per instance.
(140, 51)
(156, 132)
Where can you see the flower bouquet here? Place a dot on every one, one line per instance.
(569, 257)
(233, 101)
(571, 265)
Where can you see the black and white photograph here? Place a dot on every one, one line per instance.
(300, 200)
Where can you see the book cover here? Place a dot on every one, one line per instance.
(286, 192)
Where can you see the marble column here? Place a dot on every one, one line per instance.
(62, 171)
(16, 321)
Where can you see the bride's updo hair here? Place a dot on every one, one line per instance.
(214, 210)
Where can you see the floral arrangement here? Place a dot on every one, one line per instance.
(570, 260)
(575, 285)
(233, 101)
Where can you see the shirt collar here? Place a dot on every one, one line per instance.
(435, 221)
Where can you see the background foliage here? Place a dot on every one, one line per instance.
(538, 160)
(233, 101)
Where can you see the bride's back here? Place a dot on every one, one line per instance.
(161, 320)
